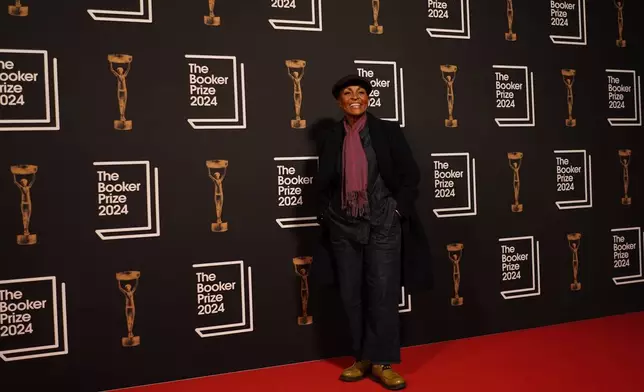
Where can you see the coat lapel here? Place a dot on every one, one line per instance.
(338, 140)
(375, 132)
(379, 142)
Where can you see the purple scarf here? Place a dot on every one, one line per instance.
(354, 170)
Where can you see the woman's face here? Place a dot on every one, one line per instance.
(353, 100)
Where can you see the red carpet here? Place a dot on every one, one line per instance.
(596, 355)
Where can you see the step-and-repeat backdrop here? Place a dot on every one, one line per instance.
(158, 167)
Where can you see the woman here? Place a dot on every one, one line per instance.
(372, 239)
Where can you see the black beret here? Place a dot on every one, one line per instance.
(350, 80)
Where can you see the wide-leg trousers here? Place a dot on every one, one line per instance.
(369, 280)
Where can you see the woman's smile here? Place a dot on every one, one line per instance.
(354, 100)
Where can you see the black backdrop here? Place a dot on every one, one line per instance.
(65, 199)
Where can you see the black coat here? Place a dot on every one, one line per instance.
(401, 175)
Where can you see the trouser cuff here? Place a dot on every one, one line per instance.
(385, 362)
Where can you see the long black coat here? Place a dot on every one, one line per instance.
(401, 175)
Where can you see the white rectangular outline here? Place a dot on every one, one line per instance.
(54, 313)
(588, 183)
(277, 22)
(400, 114)
(95, 14)
(622, 280)
(402, 98)
(583, 35)
(65, 335)
(471, 183)
(194, 121)
(465, 11)
(312, 220)
(45, 55)
(55, 319)
(536, 272)
(404, 306)
(47, 118)
(157, 232)
(529, 97)
(200, 330)
(637, 98)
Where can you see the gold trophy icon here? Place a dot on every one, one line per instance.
(574, 241)
(455, 252)
(24, 177)
(510, 36)
(625, 159)
(211, 19)
(569, 79)
(515, 159)
(18, 9)
(449, 75)
(128, 281)
(117, 61)
(302, 268)
(619, 4)
(375, 28)
(296, 72)
(217, 172)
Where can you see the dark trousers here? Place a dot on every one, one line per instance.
(369, 280)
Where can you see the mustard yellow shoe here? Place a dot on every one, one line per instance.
(356, 372)
(388, 378)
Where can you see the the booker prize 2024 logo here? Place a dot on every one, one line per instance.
(28, 91)
(128, 283)
(18, 9)
(455, 254)
(520, 267)
(376, 28)
(568, 76)
(127, 200)
(627, 255)
(515, 159)
(217, 170)
(514, 96)
(448, 19)
(448, 73)
(296, 15)
(574, 243)
(211, 19)
(568, 22)
(33, 318)
(296, 73)
(625, 160)
(24, 177)
(387, 98)
(574, 179)
(624, 98)
(454, 185)
(619, 5)
(223, 298)
(296, 191)
(302, 269)
(120, 66)
(216, 92)
(510, 35)
(135, 11)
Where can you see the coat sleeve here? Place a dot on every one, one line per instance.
(323, 178)
(406, 169)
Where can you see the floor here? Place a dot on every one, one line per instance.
(604, 354)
